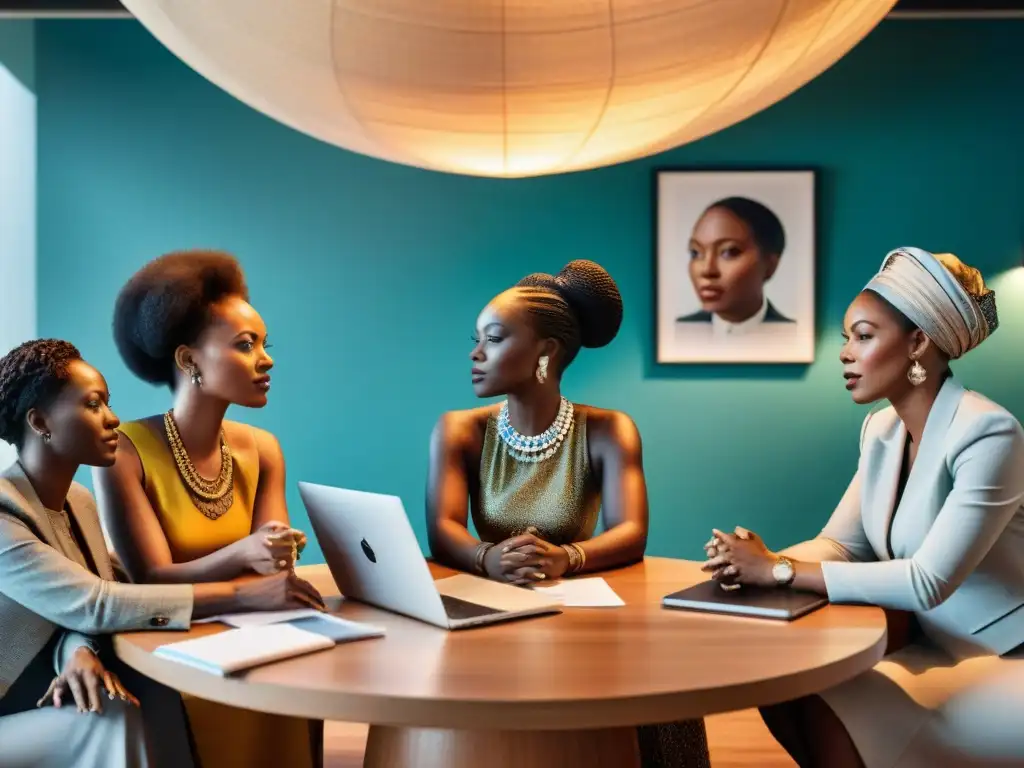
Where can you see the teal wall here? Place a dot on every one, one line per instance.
(370, 275)
(17, 50)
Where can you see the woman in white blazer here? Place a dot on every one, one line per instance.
(931, 524)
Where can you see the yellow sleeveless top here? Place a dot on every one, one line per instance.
(560, 497)
(191, 534)
(225, 737)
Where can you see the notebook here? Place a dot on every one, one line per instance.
(235, 650)
(762, 602)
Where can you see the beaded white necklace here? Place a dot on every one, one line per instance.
(539, 447)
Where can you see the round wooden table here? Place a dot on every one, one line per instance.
(563, 690)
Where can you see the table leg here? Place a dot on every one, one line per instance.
(389, 747)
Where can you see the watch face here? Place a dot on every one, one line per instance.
(782, 572)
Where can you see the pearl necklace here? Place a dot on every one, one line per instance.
(539, 447)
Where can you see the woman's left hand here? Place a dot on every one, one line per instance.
(535, 559)
(740, 558)
(86, 680)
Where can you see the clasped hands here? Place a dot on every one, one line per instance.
(525, 559)
(739, 558)
(273, 547)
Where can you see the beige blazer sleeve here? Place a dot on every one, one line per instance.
(986, 493)
(41, 579)
(67, 644)
(843, 537)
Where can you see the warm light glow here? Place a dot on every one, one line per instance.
(509, 87)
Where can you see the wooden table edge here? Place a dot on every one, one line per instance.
(547, 714)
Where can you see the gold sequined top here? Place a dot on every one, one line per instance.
(560, 497)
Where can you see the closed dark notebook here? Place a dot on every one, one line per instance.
(780, 603)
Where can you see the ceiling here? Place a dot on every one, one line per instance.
(905, 8)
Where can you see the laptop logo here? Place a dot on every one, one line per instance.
(368, 551)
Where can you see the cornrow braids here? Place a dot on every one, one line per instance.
(31, 376)
(580, 306)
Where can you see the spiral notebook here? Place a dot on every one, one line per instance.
(235, 650)
(761, 602)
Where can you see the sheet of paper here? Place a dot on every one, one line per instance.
(259, 618)
(583, 593)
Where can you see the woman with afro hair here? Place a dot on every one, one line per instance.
(192, 496)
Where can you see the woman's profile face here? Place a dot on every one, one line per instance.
(506, 347)
(231, 354)
(727, 268)
(81, 424)
(876, 351)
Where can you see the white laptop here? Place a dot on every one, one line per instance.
(374, 557)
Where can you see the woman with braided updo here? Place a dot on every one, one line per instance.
(194, 497)
(537, 470)
(58, 590)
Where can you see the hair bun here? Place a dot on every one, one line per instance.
(594, 297)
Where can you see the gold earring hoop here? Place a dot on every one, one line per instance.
(542, 369)
(917, 374)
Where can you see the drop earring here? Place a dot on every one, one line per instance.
(197, 377)
(542, 369)
(46, 437)
(917, 374)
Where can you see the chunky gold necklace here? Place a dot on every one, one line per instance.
(211, 497)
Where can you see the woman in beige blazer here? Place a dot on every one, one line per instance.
(58, 591)
(932, 524)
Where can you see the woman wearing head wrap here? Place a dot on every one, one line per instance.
(932, 524)
(535, 469)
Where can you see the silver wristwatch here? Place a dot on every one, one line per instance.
(783, 572)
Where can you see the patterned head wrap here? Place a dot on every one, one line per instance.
(944, 297)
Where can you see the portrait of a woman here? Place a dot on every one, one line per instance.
(734, 250)
(735, 256)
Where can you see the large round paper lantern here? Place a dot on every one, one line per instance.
(509, 87)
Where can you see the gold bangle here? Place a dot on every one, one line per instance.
(577, 557)
(583, 555)
(481, 552)
(571, 554)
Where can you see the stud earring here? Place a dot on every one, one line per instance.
(542, 369)
(197, 377)
(917, 374)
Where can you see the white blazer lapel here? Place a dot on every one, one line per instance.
(884, 465)
(933, 441)
(932, 450)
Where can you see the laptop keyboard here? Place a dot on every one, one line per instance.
(463, 609)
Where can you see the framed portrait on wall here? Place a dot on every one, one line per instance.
(734, 266)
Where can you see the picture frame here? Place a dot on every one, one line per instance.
(735, 254)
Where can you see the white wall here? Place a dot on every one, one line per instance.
(17, 196)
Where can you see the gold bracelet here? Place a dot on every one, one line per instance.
(577, 557)
(583, 556)
(571, 554)
(481, 552)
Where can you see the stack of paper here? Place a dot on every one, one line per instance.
(583, 593)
